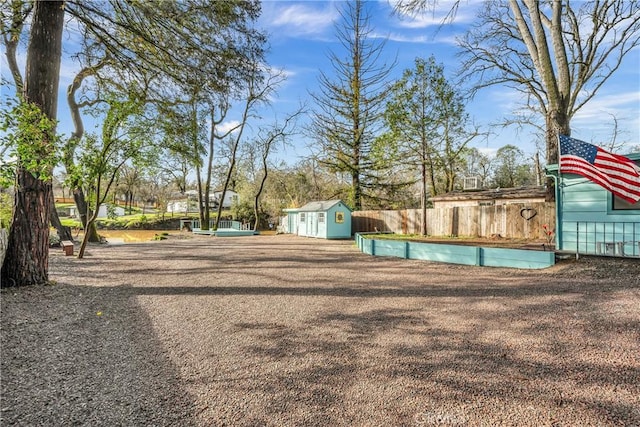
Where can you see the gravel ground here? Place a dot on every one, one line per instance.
(289, 331)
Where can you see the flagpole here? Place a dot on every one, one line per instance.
(559, 199)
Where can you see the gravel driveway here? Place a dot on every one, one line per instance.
(289, 331)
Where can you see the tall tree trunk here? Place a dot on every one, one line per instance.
(225, 187)
(356, 191)
(557, 123)
(27, 258)
(207, 186)
(423, 197)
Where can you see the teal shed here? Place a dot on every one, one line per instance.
(591, 220)
(329, 219)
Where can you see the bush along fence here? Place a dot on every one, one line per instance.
(514, 220)
(4, 238)
(455, 254)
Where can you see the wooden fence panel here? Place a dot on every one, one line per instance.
(515, 220)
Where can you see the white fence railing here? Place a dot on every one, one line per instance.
(223, 224)
(603, 238)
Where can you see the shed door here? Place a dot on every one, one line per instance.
(312, 224)
(322, 224)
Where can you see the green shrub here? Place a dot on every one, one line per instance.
(6, 209)
(54, 239)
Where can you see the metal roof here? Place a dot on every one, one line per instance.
(497, 193)
(318, 206)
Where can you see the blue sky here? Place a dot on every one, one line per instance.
(301, 35)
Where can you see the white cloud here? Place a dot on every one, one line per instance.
(598, 119)
(227, 126)
(404, 38)
(602, 107)
(417, 38)
(300, 19)
(443, 12)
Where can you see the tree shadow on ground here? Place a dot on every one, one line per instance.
(77, 355)
(433, 374)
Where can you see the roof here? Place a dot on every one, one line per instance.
(496, 193)
(318, 206)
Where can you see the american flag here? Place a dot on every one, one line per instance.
(616, 173)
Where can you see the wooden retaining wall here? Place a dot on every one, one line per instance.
(515, 220)
(456, 254)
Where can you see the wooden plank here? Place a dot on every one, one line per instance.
(481, 221)
(457, 254)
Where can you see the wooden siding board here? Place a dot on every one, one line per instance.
(452, 254)
(457, 254)
(588, 223)
(516, 258)
(389, 248)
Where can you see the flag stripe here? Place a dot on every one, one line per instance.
(576, 165)
(631, 197)
(615, 173)
(620, 190)
(614, 163)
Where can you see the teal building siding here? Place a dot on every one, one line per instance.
(338, 222)
(455, 254)
(324, 219)
(587, 221)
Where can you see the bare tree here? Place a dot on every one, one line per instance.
(260, 87)
(558, 54)
(264, 145)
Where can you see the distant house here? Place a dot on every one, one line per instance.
(330, 219)
(102, 212)
(497, 196)
(188, 202)
(591, 220)
(230, 197)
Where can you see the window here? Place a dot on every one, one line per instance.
(303, 217)
(320, 217)
(621, 204)
(339, 217)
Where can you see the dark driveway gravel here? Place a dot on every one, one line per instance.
(288, 331)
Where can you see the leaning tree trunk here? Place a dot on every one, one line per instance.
(27, 258)
(84, 212)
(63, 232)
